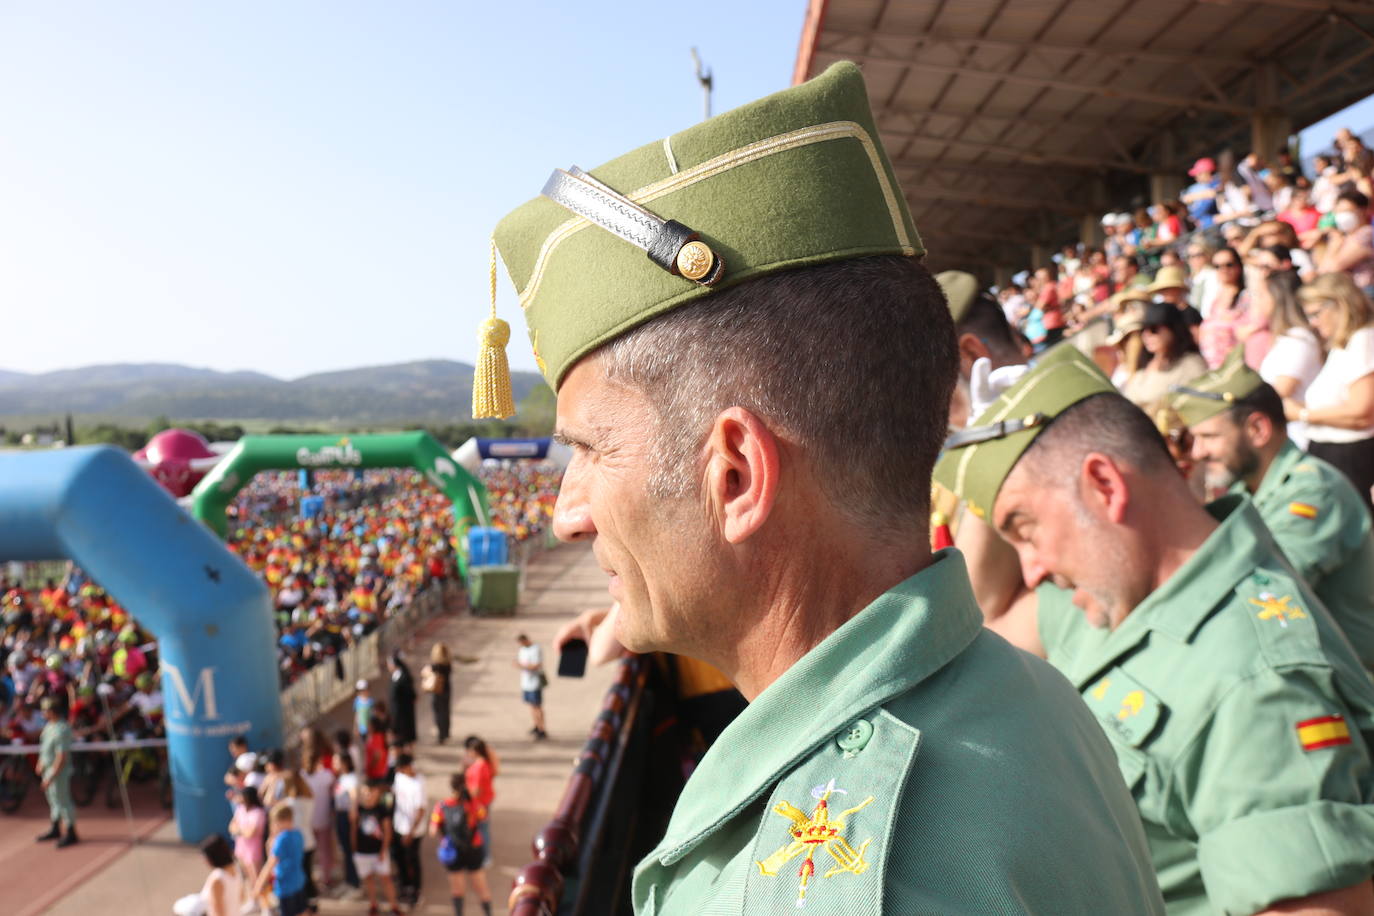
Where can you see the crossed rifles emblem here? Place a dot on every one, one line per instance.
(817, 831)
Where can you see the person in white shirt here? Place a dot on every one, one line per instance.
(1339, 404)
(530, 660)
(408, 827)
(1296, 356)
(222, 893)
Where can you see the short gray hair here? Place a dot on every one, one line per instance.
(1106, 423)
(854, 360)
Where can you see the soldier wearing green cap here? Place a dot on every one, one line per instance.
(54, 769)
(753, 371)
(1309, 506)
(1241, 717)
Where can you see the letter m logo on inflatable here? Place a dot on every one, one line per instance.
(190, 699)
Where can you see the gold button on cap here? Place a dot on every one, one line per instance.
(695, 260)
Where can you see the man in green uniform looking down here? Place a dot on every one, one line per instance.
(54, 769)
(754, 410)
(1310, 507)
(1241, 718)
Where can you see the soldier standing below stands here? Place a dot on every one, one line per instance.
(1241, 718)
(754, 412)
(1309, 506)
(54, 769)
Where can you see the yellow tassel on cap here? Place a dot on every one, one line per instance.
(491, 393)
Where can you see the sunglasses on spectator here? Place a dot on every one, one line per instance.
(1194, 255)
(1222, 265)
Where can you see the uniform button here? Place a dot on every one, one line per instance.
(855, 738)
(1261, 579)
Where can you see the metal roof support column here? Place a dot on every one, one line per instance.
(1167, 182)
(1001, 276)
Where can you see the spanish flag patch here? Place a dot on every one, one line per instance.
(1326, 731)
(1306, 510)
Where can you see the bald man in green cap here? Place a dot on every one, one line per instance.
(1309, 506)
(753, 371)
(1241, 717)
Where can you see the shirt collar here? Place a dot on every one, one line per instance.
(1288, 456)
(904, 636)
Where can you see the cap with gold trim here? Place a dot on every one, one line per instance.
(976, 461)
(794, 179)
(1213, 392)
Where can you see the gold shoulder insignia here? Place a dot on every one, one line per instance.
(815, 832)
(1272, 608)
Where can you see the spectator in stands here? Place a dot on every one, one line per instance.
(1050, 308)
(1350, 246)
(1201, 196)
(1325, 187)
(1173, 359)
(1202, 276)
(1296, 356)
(1171, 286)
(1227, 309)
(1355, 156)
(1300, 213)
(1125, 273)
(1339, 405)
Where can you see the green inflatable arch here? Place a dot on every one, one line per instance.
(391, 450)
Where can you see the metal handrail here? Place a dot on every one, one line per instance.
(561, 848)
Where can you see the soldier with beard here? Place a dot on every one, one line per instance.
(1309, 506)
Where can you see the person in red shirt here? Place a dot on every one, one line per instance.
(1301, 215)
(374, 749)
(479, 777)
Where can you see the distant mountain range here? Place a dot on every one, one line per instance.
(429, 390)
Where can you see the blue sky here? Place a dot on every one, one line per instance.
(296, 187)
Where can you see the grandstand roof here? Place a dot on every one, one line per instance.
(1009, 121)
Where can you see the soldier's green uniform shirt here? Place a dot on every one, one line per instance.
(1321, 523)
(1242, 722)
(982, 783)
(56, 738)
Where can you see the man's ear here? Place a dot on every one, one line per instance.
(1258, 429)
(971, 349)
(742, 473)
(1103, 487)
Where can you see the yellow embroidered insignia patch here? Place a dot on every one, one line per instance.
(814, 832)
(1272, 608)
(1304, 510)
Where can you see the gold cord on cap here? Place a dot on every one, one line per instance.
(491, 392)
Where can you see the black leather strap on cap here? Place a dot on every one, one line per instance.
(664, 247)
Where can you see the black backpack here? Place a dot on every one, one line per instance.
(460, 835)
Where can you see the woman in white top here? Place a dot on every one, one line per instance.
(222, 893)
(1339, 404)
(1296, 356)
(302, 800)
(321, 783)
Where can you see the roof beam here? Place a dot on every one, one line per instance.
(1002, 44)
(1055, 119)
(1025, 155)
(993, 199)
(1089, 88)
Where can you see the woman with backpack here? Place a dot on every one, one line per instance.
(456, 821)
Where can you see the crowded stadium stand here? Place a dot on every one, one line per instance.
(1014, 126)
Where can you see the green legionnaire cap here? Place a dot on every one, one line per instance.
(976, 461)
(791, 180)
(960, 290)
(1213, 392)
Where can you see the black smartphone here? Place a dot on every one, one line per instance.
(572, 662)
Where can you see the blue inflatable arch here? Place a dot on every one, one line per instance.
(212, 617)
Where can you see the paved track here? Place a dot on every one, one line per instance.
(108, 874)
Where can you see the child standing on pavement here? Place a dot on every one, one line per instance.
(285, 866)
